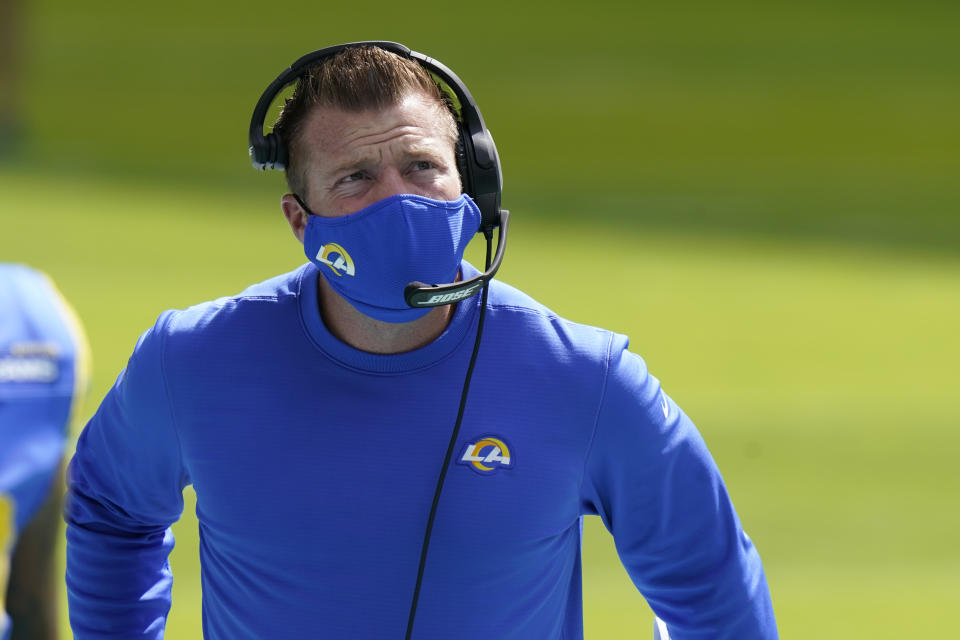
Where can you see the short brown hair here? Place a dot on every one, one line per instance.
(355, 79)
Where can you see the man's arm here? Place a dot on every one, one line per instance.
(32, 600)
(651, 478)
(125, 486)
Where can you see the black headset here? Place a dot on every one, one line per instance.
(478, 161)
(480, 170)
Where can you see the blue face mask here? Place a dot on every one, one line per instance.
(370, 256)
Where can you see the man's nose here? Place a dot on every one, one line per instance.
(390, 182)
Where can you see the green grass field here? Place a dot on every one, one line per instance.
(766, 192)
(823, 378)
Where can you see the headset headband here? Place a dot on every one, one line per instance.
(480, 170)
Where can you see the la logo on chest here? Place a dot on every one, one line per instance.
(486, 455)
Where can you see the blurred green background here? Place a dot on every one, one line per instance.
(764, 189)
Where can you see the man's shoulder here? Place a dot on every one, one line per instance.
(41, 341)
(526, 320)
(27, 294)
(279, 286)
(12, 273)
(257, 303)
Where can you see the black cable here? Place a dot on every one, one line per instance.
(453, 441)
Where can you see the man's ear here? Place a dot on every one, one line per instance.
(295, 215)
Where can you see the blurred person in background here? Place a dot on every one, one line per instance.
(43, 372)
(311, 414)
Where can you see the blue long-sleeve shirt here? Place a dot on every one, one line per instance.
(314, 466)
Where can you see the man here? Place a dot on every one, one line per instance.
(42, 375)
(311, 413)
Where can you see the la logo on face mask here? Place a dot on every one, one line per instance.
(341, 260)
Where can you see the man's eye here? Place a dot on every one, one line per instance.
(353, 177)
(423, 165)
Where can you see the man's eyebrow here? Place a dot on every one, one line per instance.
(425, 150)
(353, 164)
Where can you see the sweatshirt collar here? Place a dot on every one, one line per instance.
(462, 325)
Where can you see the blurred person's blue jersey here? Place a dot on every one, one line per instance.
(314, 466)
(42, 373)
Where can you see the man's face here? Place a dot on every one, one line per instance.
(354, 159)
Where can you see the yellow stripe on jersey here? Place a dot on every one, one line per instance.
(7, 527)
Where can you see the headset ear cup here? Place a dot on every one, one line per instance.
(263, 152)
(460, 154)
(483, 166)
(258, 153)
(271, 149)
(280, 155)
(274, 152)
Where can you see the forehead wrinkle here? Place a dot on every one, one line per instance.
(372, 152)
(358, 137)
(357, 143)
